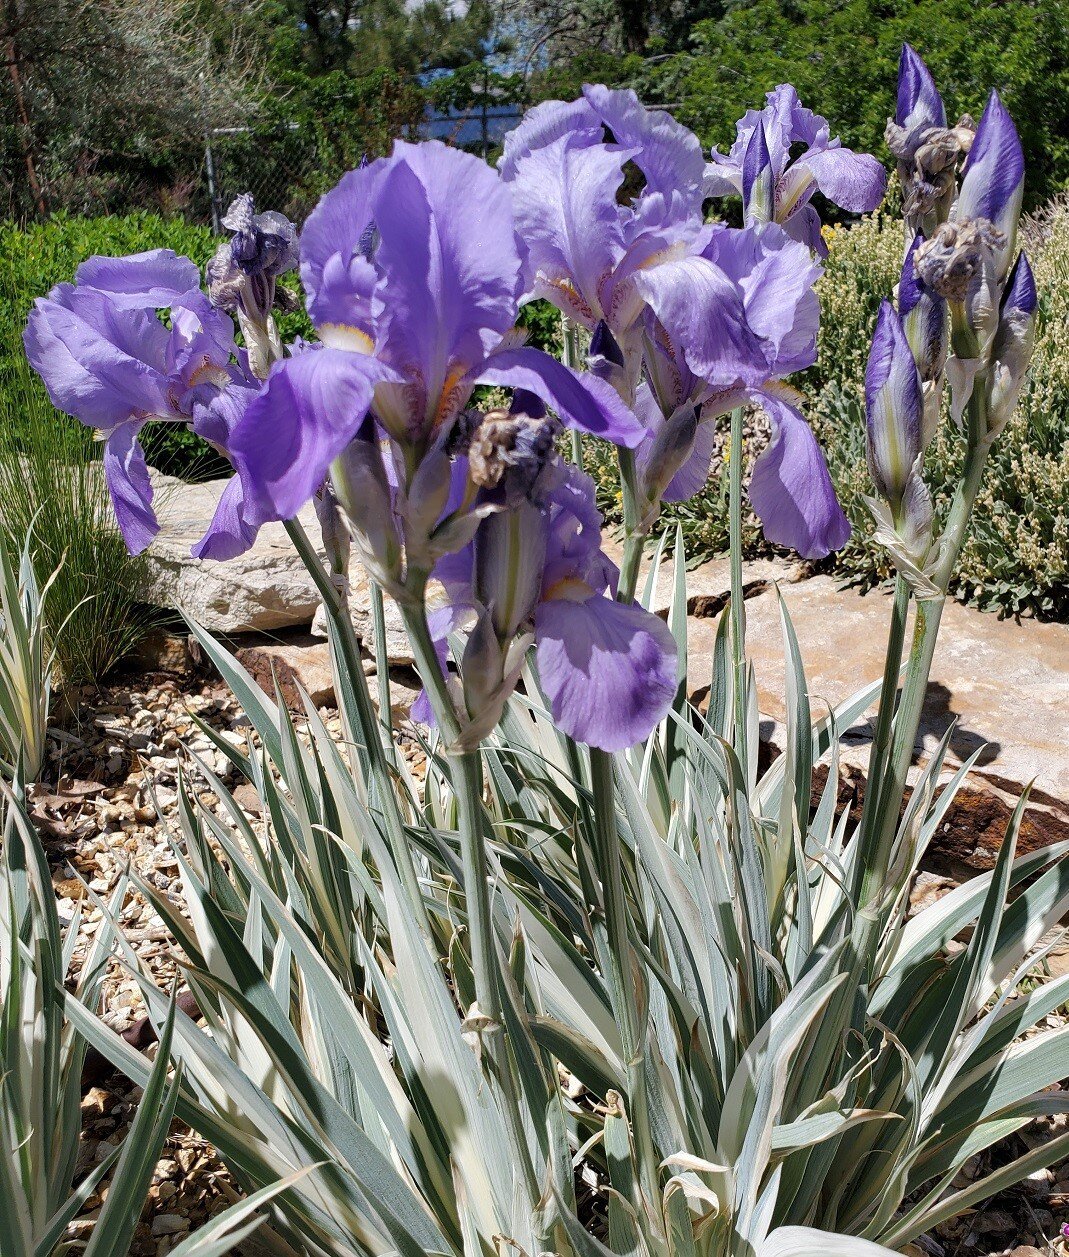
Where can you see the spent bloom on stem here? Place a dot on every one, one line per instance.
(928, 152)
(413, 276)
(107, 359)
(775, 188)
(242, 272)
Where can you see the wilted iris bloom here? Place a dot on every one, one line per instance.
(693, 381)
(928, 152)
(535, 573)
(593, 247)
(413, 276)
(108, 360)
(775, 188)
(242, 273)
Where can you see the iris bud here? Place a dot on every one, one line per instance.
(510, 554)
(924, 320)
(992, 188)
(1014, 341)
(358, 475)
(893, 409)
(669, 450)
(758, 179)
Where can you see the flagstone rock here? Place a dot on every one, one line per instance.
(266, 588)
(1004, 684)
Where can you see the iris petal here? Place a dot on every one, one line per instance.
(608, 669)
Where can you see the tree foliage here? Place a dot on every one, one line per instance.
(842, 55)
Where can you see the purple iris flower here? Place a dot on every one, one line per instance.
(413, 275)
(106, 359)
(773, 187)
(536, 572)
(770, 278)
(593, 257)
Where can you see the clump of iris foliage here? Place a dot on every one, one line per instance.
(596, 934)
(40, 1089)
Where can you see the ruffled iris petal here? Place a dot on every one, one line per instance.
(790, 487)
(128, 483)
(229, 534)
(150, 280)
(309, 410)
(582, 401)
(607, 668)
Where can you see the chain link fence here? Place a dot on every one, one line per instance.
(283, 170)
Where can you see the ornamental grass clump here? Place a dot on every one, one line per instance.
(596, 982)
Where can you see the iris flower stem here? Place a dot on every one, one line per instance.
(349, 647)
(570, 358)
(738, 604)
(876, 866)
(623, 992)
(881, 740)
(466, 772)
(382, 658)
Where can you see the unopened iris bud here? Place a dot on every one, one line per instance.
(918, 103)
(924, 320)
(358, 476)
(668, 452)
(1014, 341)
(893, 409)
(605, 358)
(993, 185)
(758, 179)
(510, 554)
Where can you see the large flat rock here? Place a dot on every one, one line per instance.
(263, 590)
(266, 588)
